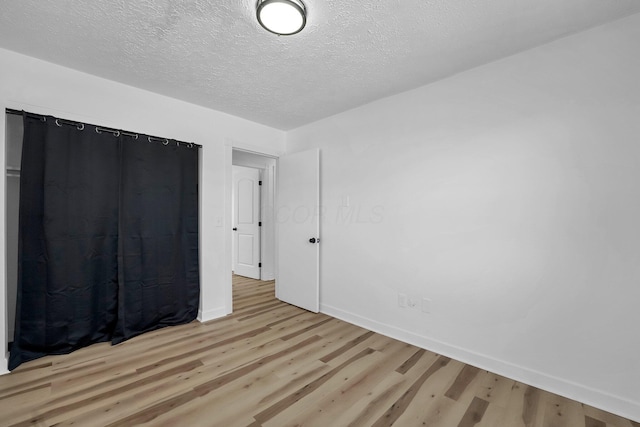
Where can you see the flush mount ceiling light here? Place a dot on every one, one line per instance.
(282, 17)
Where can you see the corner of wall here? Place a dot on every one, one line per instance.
(215, 313)
(3, 276)
(4, 364)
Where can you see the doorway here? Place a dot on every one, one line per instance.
(296, 261)
(253, 224)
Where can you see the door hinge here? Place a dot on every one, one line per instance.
(260, 224)
(259, 182)
(259, 265)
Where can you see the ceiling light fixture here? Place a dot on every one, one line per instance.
(282, 17)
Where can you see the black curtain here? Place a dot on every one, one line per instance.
(158, 247)
(108, 238)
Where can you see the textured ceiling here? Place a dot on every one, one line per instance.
(215, 54)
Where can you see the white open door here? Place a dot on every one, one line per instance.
(298, 221)
(246, 222)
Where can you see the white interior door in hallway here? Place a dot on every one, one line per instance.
(298, 221)
(246, 222)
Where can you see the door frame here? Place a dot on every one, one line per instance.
(229, 148)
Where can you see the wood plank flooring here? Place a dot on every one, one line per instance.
(272, 364)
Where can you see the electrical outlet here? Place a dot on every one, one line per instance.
(426, 305)
(402, 300)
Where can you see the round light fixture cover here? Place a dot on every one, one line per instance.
(282, 17)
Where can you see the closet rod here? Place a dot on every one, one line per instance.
(99, 129)
(19, 113)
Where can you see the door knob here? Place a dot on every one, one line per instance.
(235, 228)
(314, 240)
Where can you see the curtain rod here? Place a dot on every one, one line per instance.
(100, 129)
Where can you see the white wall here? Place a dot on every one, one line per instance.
(508, 195)
(41, 87)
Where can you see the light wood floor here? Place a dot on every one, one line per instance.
(272, 364)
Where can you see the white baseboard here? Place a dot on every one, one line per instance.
(615, 404)
(215, 313)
